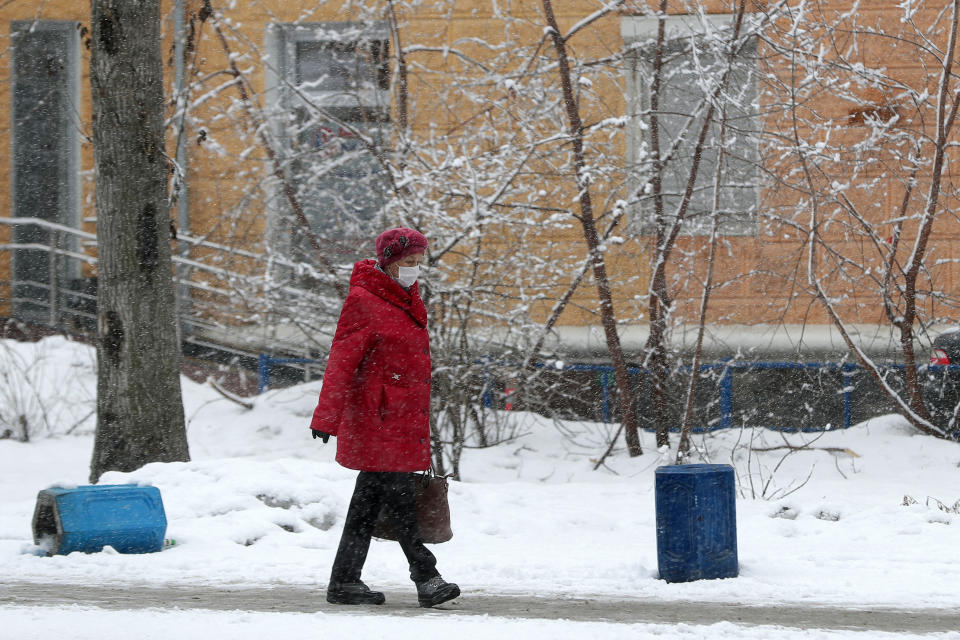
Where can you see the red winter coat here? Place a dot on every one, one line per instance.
(376, 388)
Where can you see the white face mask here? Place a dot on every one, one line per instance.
(406, 276)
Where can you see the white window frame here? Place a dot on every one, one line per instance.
(285, 97)
(643, 29)
(64, 125)
(282, 40)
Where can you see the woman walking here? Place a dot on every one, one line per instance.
(376, 400)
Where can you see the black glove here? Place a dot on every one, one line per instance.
(321, 434)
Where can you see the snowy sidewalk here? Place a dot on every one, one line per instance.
(583, 609)
(849, 534)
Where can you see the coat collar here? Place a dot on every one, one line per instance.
(367, 276)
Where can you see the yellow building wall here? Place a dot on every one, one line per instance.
(760, 273)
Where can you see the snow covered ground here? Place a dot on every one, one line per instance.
(865, 517)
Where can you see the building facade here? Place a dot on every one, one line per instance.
(793, 168)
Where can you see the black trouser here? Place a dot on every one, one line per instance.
(394, 492)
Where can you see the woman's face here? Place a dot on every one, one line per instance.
(409, 260)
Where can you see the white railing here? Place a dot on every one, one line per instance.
(216, 306)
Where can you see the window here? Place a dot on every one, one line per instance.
(693, 66)
(45, 155)
(329, 88)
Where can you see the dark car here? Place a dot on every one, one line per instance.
(941, 380)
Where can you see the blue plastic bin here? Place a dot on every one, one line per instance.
(127, 517)
(696, 522)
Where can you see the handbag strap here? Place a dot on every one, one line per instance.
(426, 476)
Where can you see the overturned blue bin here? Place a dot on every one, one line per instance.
(696, 522)
(127, 517)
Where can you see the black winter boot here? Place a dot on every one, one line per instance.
(353, 593)
(436, 591)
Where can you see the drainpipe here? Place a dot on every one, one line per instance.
(183, 200)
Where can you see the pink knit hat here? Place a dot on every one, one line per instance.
(394, 244)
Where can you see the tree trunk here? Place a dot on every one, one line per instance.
(139, 405)
(626, 399)
(659, 304)
(668, 231)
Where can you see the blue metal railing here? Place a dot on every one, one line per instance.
(725, 384)
(263, 368)
(847, 371)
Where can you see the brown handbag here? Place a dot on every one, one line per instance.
(433, 511)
